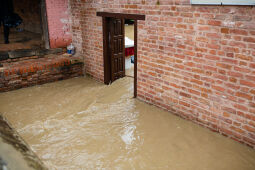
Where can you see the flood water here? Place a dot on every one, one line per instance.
(83, 124)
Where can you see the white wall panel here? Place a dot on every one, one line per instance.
(206, 2)
(238, 2)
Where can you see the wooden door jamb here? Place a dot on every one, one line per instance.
(107, 69)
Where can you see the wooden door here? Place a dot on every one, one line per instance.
(117, 48)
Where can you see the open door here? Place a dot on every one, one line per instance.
(117, 48)
(114, 45)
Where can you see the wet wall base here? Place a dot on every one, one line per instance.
(30, 72)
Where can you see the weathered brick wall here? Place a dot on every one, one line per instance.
(87, 35)
(29, 11)
(76, 28)
(30, 72)
(195, 61)
(58, 23)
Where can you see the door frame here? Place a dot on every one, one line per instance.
(44, 25)
(107, 65)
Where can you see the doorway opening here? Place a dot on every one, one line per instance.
(114, 46)
(32, 34)
(129, 47)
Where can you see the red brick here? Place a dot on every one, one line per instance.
(204, 28)
(252, 65)
(240, 69)
(213, 46)
(237, 44)
(237, 129)
(240, 107)
(183, 26)
(196, 81)
(249, 39)
(252, 91)
(252, 104)
(225, 66)
(194, 92)
(249, 128)
(202, 39)
(185, 94)
(218, 88)
(230, 61)
(211, 57)
(214, 23)
(252, 123)
(184, 104)
(225, 114)
(244, 95)
(238, 31)
(225, 30)
(247, 83)
(244, 57)
(235, 74)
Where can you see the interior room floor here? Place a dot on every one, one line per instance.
(21, 40)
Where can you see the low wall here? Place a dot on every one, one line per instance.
(25, 73)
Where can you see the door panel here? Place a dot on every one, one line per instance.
(117, 48)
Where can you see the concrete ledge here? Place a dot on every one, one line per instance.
(28, 53)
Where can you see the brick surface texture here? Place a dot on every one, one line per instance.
(196, 61)
(58, 23)
(32, 71)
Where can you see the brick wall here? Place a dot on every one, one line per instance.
(87, 35)
(76, 25)
(29, 11)
(195, 61)
(32, 71)
(58, 23)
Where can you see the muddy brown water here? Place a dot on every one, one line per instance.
(83, 124)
